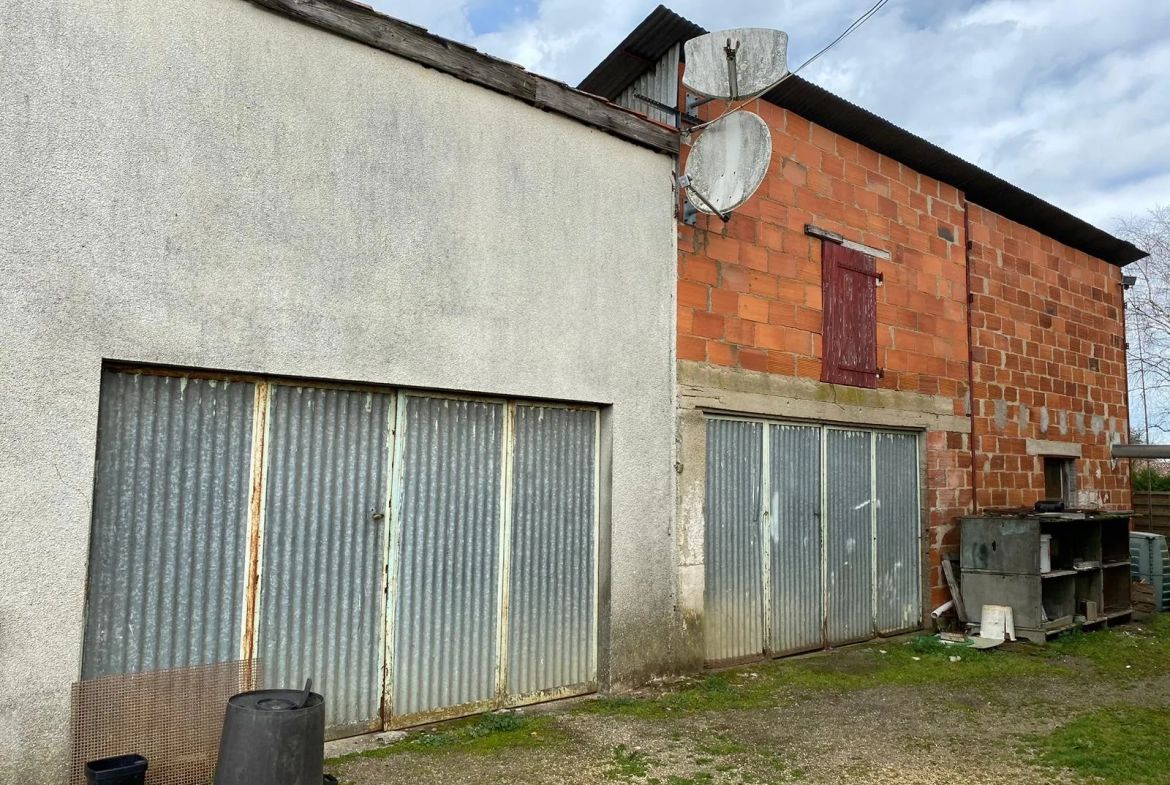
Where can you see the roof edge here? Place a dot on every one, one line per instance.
(363, 24)
(663, 28)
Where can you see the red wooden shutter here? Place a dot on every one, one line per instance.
(849, 324)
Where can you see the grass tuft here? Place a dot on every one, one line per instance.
(485, 734)
(1121, 746)
(627, 764)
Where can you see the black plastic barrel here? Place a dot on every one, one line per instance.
(121, 770)
(272, 737)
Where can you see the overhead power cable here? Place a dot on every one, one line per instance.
(851, 29)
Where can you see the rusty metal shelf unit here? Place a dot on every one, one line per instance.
(1000, 559)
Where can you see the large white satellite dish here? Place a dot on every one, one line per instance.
(727, 163)
(734, 64)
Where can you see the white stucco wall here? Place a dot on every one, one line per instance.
(203, 183)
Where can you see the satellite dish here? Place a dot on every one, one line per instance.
(734, 64)
(727, 163)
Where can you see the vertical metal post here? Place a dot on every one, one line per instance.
(505, 555)
(255, 554)
(596, 599)
(824, 536)
(923, 520)
(393, 550)
(766, 533)
(392, 431)
(873, 528)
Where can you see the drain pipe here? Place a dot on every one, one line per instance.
(968, 245)
(1152, 452)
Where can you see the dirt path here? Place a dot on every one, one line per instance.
(902, 714)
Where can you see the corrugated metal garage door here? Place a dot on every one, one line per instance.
(552, 596)
(170, 523)
(447, 612)
(321, 588)
(841, 561)
(898, 547)
(734, 551)
(795, 512)
(848, 536)
(492, 497)
(488, 553)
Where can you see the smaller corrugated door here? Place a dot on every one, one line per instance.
(848, 536)
(898, 534)
(551, 597)
(322, 598)
(447, 609)
(734, 595)
(795, 548)
(170, 523)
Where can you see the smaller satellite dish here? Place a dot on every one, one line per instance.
(728, 162)
(734, 64)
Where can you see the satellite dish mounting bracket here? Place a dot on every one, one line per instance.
(730, 50)
(686, 183)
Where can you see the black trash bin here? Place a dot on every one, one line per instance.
(120, 770)
(273, 737)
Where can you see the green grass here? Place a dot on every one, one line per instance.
(1146, 650)
(914, 662)
(919, 661)
(627, 764)
(708, 694)
(482, 735)
(720, 746)
(1123, 746)
(702, 778)
(1124, 657)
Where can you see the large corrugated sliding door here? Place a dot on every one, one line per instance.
(419, 556)
(813, 536)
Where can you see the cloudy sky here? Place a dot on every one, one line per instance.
(1069, 99)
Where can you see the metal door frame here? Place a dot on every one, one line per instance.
(872, 432)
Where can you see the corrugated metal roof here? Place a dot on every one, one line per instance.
(663, 29)
(639, 52)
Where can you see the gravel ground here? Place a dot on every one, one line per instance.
(927, 733)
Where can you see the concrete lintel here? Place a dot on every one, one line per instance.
(834, 237)
(736, 391)
(1046, 447)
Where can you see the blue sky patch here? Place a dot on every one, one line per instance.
(490, 16)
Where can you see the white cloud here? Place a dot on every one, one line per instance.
(1065, 98)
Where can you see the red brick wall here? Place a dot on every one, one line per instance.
(1048, 346)
(749, 292)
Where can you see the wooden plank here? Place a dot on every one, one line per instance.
(956, 594)
(363, 24)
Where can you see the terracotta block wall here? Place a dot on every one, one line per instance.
(1048, 344)
(749, 296)
(749, 292)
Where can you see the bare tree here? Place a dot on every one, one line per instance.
(1148, 325)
